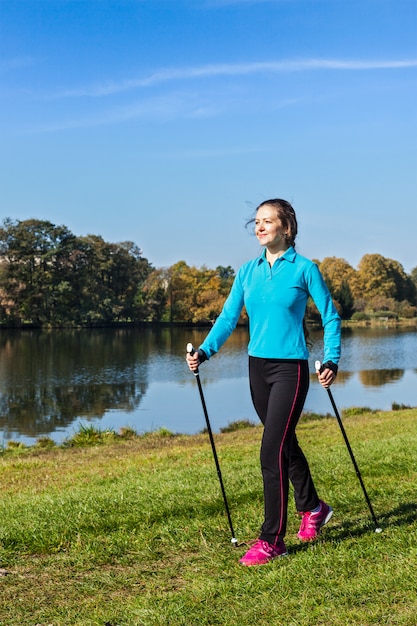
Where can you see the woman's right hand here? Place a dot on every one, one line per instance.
(193, 361)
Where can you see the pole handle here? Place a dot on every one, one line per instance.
(191, 350)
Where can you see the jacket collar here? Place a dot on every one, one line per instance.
(289, 255)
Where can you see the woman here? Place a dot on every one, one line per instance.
(275, 288)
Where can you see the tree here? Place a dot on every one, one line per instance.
(49, 276)
(182, 289)
(341, 279)
(226, 275)
(192, 294)
(209, 300)
(344, 297)
(112, 276)
(380, 276)
(152, 298)
(413, 276)
(35, 258)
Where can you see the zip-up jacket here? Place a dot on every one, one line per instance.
(275, 299)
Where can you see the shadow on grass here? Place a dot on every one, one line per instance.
(400, 516)
(403, 515)
(340, 528)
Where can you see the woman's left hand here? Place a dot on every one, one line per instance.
(326, 377)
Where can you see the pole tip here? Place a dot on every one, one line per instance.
(234, 542)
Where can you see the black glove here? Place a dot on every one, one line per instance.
(330, 366)
(202, 356)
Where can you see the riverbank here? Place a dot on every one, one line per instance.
(381, 322)
(370, 322)
(134, 531)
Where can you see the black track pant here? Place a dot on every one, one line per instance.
(279, 389)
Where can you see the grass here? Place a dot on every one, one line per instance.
(131, 531)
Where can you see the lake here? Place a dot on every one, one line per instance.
(53, 381)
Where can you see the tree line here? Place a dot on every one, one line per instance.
(51, 277)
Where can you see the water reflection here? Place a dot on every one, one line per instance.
(370, 378)
(52, 380)
(49, 379)
(377, 378)
(343, 376)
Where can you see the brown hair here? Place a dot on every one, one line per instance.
(285, 213)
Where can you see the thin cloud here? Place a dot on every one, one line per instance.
(178, 105)
(214, 153)
(9, 65)
(231, 69)
(156, 109)
(225, 3)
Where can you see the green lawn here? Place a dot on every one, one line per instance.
(133, 532)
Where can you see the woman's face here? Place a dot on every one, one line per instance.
(269, 229)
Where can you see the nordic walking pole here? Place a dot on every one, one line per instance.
(378, 529)
(191, 351)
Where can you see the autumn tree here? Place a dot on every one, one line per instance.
(380, 276)
(341, 280)
(209, 298)
(195, 294)
(183, 293)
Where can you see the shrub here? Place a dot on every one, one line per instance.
(399, 407)
(385, 314)
(15, 444)
(360, 316)
(90, 436)
(45, 442)
(357, 410)
(310, 416)
(127, 433)
(161, 433)
(237, 425)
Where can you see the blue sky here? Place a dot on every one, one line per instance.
(165, 122)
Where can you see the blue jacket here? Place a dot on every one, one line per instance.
(275, 299)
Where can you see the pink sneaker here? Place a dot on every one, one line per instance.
(263, 552)
(312, 522)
